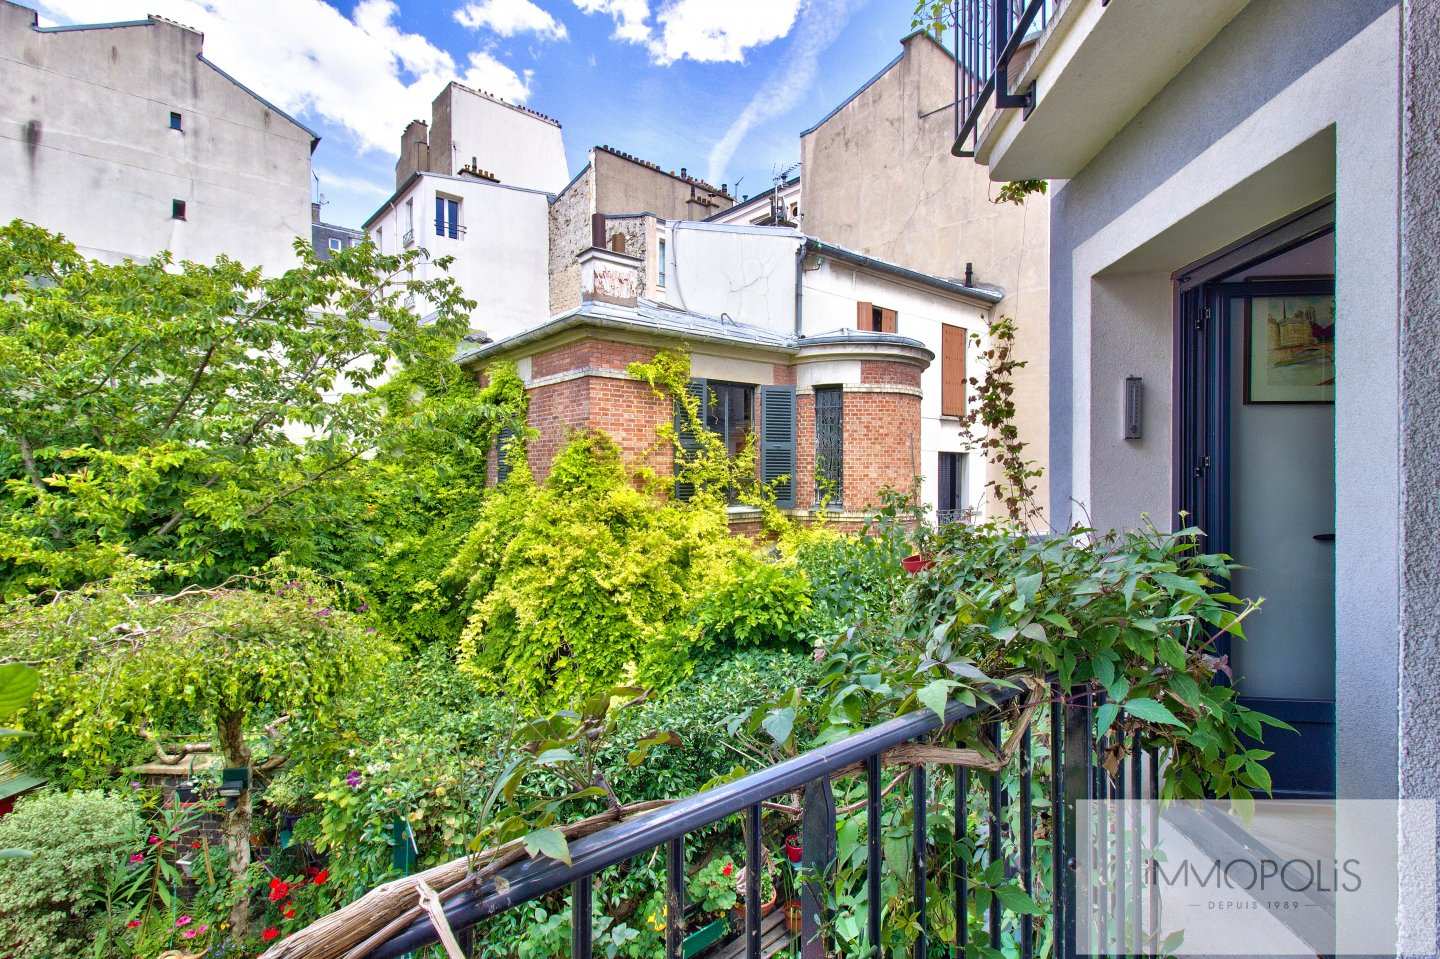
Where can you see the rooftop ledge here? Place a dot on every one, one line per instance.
(1095, 68)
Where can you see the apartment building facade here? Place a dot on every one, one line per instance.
(1246, 226)
(128, 140)
(877, 177)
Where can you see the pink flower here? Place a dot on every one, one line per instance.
(201, 929)
(153, 840)
(137, 857)
(189, 934)
(183, 921)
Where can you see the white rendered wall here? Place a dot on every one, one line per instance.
(86, 147)
(518, 147)
(501, 257)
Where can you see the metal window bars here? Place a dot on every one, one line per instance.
(1004, 825)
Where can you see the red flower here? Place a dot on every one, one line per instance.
(133, 924)
(729, 868)
(270, 933)
(289, 912)
(322, 877)
(195, 844)
(279, 889)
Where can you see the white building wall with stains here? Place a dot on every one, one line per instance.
(88, 146)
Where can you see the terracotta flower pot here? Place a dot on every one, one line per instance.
(794, 918)
(916, 563)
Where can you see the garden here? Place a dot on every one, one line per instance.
(269, 640)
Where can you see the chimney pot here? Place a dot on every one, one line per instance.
(969, 274)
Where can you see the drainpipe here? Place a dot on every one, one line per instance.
(799, 285)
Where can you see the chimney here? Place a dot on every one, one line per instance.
(969, 274)
(314, 213)
(609, 277)
(683, 174)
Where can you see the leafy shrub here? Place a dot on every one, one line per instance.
(586, 581)
(755, 603)
(48, 903)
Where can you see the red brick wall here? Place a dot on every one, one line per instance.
(891, 373)
(556, 411)
(805, 450)
(625, 409)
(882, 445)
(630, 412)
(593, 354)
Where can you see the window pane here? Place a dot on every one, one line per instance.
(829, 444)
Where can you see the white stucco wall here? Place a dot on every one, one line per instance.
(86, 146)
(520, 148)
(501, 256)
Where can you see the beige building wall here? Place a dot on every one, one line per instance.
(879, 178)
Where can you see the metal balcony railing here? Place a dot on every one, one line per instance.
(986, 34)
(1006, 835)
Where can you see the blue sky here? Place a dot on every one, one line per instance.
(721, 87)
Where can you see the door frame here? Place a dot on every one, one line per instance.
(1200, 436)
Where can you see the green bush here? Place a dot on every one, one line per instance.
(48, 903)
(586, 581)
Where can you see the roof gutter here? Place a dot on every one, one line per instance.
(984, 294)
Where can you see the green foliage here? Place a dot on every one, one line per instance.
(51, 903)
(759, 603)
(989, 421)
(586, 582)
(715, 475)
(423, 492)
(112, 659)
(151, 409)
(1016, 191)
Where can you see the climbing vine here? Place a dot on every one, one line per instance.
(989, 421)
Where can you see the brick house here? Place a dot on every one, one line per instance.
(837, 406)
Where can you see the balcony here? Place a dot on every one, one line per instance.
(1044, 84)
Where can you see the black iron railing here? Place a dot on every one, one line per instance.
(986, 35)
(1076, 770)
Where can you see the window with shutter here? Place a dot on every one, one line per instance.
(685, 436)
(502, 454)
(829, 445)
(777, 442)
(864, 316)
(952, 370)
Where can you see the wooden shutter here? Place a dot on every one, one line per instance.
(863, 314)
(952, 370)
(699, 389)
(945, 488)
(502, 453)
(777, 442)
(888, 320)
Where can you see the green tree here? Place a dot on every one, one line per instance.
(223, 658)
(201, 417)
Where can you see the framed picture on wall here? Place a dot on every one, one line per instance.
(1290, 349)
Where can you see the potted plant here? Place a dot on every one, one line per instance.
(916, 563)
(769, 896)
(794, 917)
(712, 895)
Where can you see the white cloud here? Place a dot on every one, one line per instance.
(706, 31)
(719, 30)
(362, 72)
(509, 17)
(820, 23)
(629, 16)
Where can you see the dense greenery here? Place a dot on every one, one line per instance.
(250, 517)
